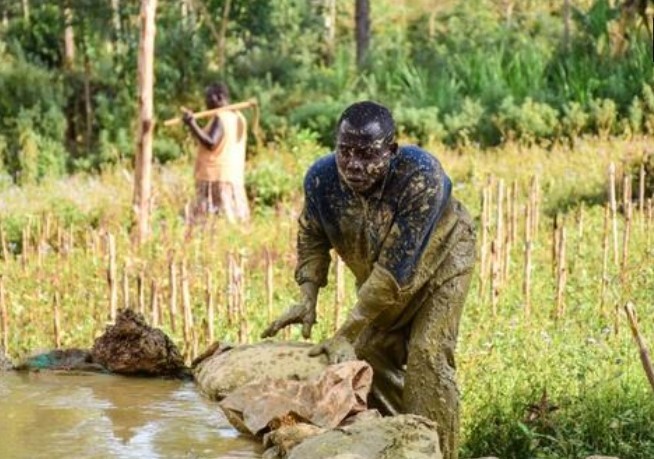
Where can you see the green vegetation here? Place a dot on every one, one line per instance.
(590, 372)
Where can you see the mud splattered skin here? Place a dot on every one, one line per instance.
(411, 247)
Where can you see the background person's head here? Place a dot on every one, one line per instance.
(216, 95)
(365, 144)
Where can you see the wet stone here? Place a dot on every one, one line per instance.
(229, 368)
(397, 437)
(5, 362)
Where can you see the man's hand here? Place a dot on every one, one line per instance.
(187, 116)
(303, 313)
(338, 349)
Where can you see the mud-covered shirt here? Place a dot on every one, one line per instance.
(390, 226)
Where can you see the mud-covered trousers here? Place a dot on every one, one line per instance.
(414, 366)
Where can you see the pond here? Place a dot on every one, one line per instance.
(62, 415)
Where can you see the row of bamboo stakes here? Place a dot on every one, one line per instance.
(499, 227)
(501, 212)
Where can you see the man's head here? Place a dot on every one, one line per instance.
(217, 95)
(365, 144)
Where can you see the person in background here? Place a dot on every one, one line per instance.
(220, 161)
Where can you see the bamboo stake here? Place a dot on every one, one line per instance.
(154, 303)
(140, 291)
(484, 241)
(526, 283)
(508, 239)
(614, 211)
(210, 308)
(56, 321)
(126, 287)
(555, 244)
(186, 306)
(172, 285)
(269, 283)
(625, 242)
(535, 208)
(230, 289)
(495, 288)
(499, 232)
(561, 276)
(339, 300)
(605, 257)
(3, 244)
(640, 342)
(641, 190)
(111, 277)
(650, 216)
(5, 316)
(243, 316)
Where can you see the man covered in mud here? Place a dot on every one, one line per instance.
(389, 213)
(220, 161)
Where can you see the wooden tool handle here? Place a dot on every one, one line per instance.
(203, 114)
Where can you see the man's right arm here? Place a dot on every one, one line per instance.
(313, 246)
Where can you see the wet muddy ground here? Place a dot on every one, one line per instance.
(63, 415)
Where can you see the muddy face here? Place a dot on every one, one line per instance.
(363, 156)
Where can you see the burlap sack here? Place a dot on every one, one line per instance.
(226, 370)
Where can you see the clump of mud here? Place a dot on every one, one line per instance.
(132, 347)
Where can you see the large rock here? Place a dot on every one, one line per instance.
(229, 368)
(397, 437)
(131, 347)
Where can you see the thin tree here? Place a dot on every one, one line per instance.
(362, 30)
(143, 169)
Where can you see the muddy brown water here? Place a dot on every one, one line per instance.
(60, 415)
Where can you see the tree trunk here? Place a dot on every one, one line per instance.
(143, 169)
(566, 25)
(69, 38)
(26, 10)
(115, 19)
(330, 30)
(222, 37)
(362, 30)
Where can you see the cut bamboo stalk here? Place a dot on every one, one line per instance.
(614, 212)
(499, 232)
(650, 216)
(243, 314)
(555, 244)
(56, 321)
(126, 303)
(5, 316)
(140, 291)
(508, 238)
(640, 342)
(483, 251)
(526, 282)
(625, 242)
(605, 257)
(210, 308)
(641, 189)
(3, 244)
(561, 276)
(535, 207)
(626, 192)
(172, 286)
(186, 305)
(269, 283)
(111, 277)
(339, 300)
(230, 289)
(495, 288)
(154, 303)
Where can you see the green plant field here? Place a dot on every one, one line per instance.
(534, 385)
